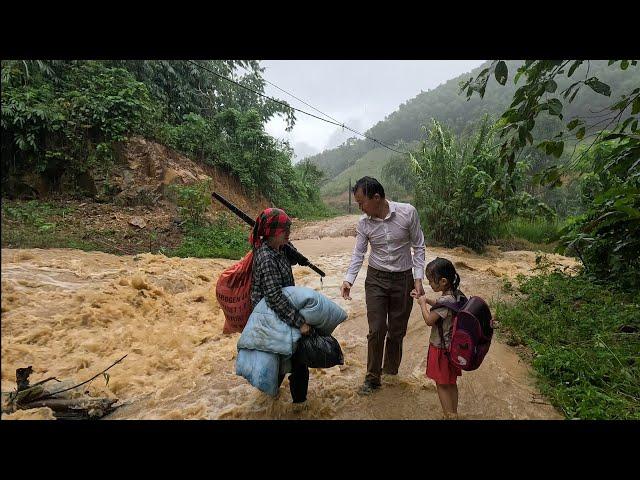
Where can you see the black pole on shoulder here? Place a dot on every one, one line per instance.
(290, 250)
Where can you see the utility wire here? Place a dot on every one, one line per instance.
(296, 109)
(291, 94)
(320, 111)
(325, 114)
(258, 93)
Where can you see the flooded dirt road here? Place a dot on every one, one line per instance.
(70, 314)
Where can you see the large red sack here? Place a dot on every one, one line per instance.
(233, 292)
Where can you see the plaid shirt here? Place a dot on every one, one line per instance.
(271, 272)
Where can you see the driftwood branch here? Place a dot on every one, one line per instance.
(25, 392)
(46, 380)
(35, 396)
(58, 404)
(80, 384)
(74, 408)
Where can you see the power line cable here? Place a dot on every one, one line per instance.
(291, 94)
(296, 109)
(258, 93)
(326, 115)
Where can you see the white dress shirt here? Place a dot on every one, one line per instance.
(391, 240)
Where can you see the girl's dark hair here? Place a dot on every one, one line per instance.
(443, 268)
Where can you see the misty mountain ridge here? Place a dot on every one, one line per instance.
(448, 106)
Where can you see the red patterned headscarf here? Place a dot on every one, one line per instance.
(271, 222)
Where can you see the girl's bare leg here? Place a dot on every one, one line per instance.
(448, 395)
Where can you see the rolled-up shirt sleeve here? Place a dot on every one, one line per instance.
(359, 252)
(417, 242)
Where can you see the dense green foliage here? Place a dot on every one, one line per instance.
(67, 125)
(607, 236)
(585, 340)
(308, 204)
(583, 330)
(454, 186)
(181, 87)
(455, 179)
(62, 119)
(192, 201)
(537, 98)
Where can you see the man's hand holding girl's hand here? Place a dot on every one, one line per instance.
(421, 299)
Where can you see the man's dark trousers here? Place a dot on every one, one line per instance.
(388, 297)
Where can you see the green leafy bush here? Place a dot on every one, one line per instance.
(607, 236)
(585, 337)
(192, 201)
(454, 190)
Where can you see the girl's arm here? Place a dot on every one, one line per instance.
(429, 301)
(422, 298)
(430, 318)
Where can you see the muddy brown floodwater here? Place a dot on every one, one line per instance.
(70, 314)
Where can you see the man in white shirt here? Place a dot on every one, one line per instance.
(392, 229)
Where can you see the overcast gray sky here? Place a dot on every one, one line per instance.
(358, 93)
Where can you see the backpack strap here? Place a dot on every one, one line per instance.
(441, 332)
(455, 307)
(450, 304)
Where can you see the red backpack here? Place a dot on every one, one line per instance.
(233, 292)
(471, 333)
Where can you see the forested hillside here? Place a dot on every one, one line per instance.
(64, 122)
(451, 109)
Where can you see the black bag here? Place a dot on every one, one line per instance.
(319, 351)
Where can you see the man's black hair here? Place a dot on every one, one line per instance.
(370, 186)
